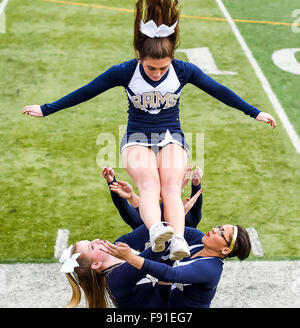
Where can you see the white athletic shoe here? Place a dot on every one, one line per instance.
(159, 234)
(178, 248)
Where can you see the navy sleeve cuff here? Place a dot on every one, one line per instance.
(44, 110)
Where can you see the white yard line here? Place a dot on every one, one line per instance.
(3, 5)
(61, 242)
(272, 97)
(256, 246)
(2, 16)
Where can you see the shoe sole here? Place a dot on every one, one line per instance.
(179, 255)
(159, 243)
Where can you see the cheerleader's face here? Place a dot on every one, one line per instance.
(92, 250)
(219, 237)
(155, 69)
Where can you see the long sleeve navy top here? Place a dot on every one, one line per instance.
(152, 106)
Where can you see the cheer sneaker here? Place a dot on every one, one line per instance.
(178, 248)
(159, 234)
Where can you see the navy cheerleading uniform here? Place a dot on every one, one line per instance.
(194, 279)
(153, 106)
(131, 288)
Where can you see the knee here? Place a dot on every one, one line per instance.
(149, 185)
(170, 187)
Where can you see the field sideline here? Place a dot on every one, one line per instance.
(50, 178)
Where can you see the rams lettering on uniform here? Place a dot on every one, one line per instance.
(155, 100)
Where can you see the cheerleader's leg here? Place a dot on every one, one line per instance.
(140, 163)
(172, 162)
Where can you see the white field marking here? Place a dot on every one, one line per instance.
(255, 242)
(2, 16)
(2, 23)
(295, 28)
(203, 58)
(3, 5)
(265, 84)
(61, 242)
(286, 60)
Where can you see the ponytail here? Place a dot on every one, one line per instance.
(92, 282)
(76, 293)
(161, 12)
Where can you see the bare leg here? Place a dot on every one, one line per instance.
(141, 164)
(172, 162)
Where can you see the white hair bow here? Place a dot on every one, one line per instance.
(152, 30)
(69, 261)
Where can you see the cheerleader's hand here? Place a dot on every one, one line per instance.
(119, 250)
(187, 176)
(108, 174)
(33, 110)
(266, 117)
(197, 176)
(123, 252)
(122, 188)
(190, 202)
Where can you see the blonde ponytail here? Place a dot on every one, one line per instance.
(76, 293)
(92, 282)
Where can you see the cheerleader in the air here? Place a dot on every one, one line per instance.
(154, 150)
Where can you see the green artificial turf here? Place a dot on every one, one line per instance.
(265, 39)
